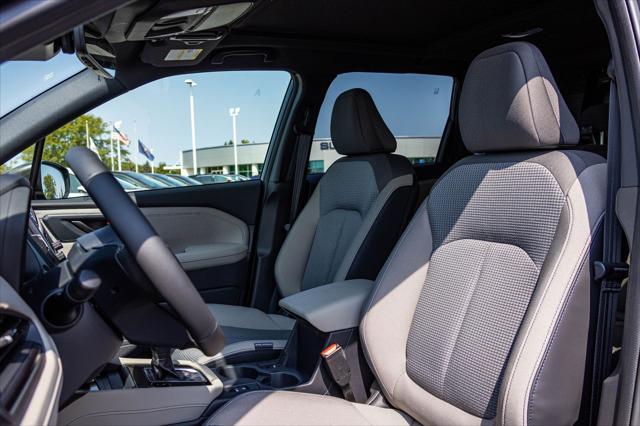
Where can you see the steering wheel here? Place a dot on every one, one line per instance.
(155, 259)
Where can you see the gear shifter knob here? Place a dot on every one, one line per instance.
(83, 287)
(162, 363)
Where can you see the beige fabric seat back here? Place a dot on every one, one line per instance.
(358, 210)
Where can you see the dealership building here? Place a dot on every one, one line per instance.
(219, 159)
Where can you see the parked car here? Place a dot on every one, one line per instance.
(169, 180)
(142, 179)
(186, 179)
(237, 178)
(213, 178)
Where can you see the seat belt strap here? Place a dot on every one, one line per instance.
(303, 145)
(609, 272)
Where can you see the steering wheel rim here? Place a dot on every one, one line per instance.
(150, 252)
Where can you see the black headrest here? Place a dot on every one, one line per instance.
(356, 125)
(510, 101)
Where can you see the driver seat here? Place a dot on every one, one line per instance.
(481, 314)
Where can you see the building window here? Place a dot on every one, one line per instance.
(315, 166)
(244, 170)
(422, 161)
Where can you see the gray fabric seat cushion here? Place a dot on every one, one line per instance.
(293, 408)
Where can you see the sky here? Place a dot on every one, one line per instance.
(158, 113)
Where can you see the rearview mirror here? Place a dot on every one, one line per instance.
(96, 53)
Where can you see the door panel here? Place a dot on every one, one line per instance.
(201, 237)
(209, 228)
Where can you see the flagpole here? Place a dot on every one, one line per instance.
(135, 133)
(86, 128)
(111, 148)
(119, 157)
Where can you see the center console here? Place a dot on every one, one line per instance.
(160, 391)
(130, 393)
(327, 314)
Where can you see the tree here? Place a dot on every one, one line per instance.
(145, 168)
(162, 169)
(73, 134)
(49, 190)
(244, 141)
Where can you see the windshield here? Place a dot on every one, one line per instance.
(21, 81)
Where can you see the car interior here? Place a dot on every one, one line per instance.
(489, 285)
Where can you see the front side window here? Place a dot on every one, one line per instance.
(415, 107)
(145, 136)
(21, 81)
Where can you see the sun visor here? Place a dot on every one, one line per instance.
(176, 38)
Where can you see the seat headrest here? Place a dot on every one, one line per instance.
(510, 101)
(357, 127)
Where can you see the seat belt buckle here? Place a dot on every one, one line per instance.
(613, 272)
(335, 359)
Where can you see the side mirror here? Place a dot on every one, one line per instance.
(54, 181)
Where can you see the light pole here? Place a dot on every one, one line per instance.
(191, 85)
(233, 112)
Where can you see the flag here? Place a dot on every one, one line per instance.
(120, 136)
(144, 150)
(93, 147)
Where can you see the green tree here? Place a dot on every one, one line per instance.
(162, 169)
(244, 141)
(74, 134)
(49, 189)
(145, 168)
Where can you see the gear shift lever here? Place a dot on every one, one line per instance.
(164, 373)
(162, 363)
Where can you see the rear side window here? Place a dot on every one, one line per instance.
(414, 106)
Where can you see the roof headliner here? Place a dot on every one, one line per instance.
(333, 36)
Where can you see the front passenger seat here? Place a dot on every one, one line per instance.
(481, 315)
(346, 230)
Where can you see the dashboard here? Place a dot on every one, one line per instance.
(30, 367)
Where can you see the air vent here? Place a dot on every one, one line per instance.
(19, 365)
(12, 330)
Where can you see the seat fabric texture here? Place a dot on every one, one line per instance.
(345, 231)
(294, 409)
(481, 315)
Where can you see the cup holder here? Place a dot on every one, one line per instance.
(268, 377)
(281, 380)
(236, 372)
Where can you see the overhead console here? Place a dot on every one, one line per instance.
(183, 37)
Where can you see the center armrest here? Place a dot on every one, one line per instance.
(330, 307)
